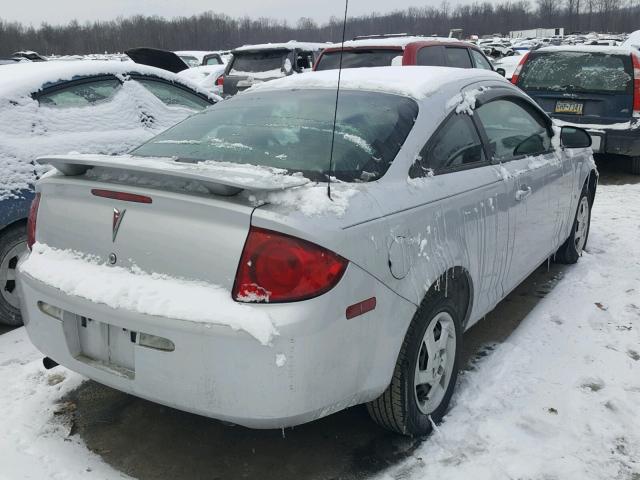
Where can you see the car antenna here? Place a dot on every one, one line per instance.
(335, 111)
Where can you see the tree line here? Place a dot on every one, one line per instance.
(212, 31)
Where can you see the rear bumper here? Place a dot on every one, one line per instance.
(319, 363)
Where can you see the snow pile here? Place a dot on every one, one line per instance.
(465, 102)
(417, 82)
(145, 293)
(310, 200)
(561, 397)
(36, 440)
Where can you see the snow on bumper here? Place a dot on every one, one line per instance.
(318, 364)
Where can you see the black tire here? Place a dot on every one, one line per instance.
(397, 408)
(634, 165)
(569, 253)
(11, 239)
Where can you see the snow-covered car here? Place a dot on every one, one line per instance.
(508, 64)
(80, 106)
(207, 77)
(248, 289)
(253, 64)
(593, 87)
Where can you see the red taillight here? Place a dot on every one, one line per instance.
(124, 196)
(636, 85)
(275, 267)
(220, 81)
(33, 219)
(518, 70)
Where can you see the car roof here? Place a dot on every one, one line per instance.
(290, 45)
(613, 50)
(401, 42)
(28, 78)
(417, 82)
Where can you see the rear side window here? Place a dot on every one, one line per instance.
(80, 94)
(358, 58)
(456, 144)
(261, 61)
(172, 95)
(213, 61)
(513, 130)
(458, 57)
(189, 60)
(480, 60)
(431, 56)
(588, 72)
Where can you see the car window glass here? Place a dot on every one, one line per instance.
(479, 60)
(213, 61)
(304, 61)
(431, 56)
(189, 60)
(512, 130)
(172, 95)
(458, 57)
(259, 61)
(80, 94)
(358, 58)
(455, 144)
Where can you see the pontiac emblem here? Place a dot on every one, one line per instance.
(118, 215)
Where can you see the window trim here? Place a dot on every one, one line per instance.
(72, 83)
(518, 100)
(139, 76)
(428, 146)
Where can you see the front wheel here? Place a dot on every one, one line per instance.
(425, 372)
(571, 250)
(13, 243)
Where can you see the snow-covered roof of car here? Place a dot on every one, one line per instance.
(417, 81)
(290, 45)
(389, 41)
(27, 78)
(612, 50)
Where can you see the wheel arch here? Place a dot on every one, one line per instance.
(454, 281)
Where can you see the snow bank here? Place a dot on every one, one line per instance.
(560, 398)
(416, 82)
(145, 293)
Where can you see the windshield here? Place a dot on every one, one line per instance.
(357, 59)
(293, 131)
(577, 72)
(261, 61)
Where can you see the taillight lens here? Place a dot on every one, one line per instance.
(518, 70)
(31, 222)
(636, 85)
(220, 81)
(275, 267)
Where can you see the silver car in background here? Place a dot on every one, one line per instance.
(211, 272)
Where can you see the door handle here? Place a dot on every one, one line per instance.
(523, 193)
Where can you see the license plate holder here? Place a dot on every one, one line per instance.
(569, 106)
(107, 345)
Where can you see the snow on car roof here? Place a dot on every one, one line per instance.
(26, 78)
(390, 41)
(612, 50)
(416, 81)
(290, 45)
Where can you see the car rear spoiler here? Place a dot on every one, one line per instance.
(220, 178)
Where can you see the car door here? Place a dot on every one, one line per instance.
(518, 137)
(462, 208)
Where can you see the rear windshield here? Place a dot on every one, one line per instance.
(589, 72)
(357, 59)
(293, 131)
(262, 61)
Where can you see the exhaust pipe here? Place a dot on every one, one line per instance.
(48, 363)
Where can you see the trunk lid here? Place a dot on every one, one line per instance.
(193, 227)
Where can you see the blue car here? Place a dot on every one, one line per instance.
(593, 87)
(76, 106)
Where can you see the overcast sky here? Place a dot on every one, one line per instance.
(62, 11)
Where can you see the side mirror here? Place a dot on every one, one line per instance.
(574, 137)
(501, 71)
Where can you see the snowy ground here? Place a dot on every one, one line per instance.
(559, 399)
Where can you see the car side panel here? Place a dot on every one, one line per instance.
(15, 209)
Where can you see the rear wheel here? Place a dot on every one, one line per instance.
(571, 250)
(426, 370)
(13, 243)
(634, 166)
